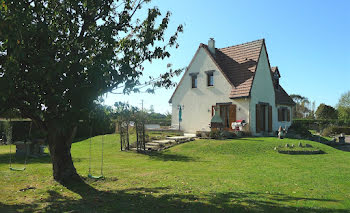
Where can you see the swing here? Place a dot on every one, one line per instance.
(90, 175)
(26, 151)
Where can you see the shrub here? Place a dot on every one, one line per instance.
(215, 134)
(229, 134)
(321, 123)
(334, 130)
(299, 129)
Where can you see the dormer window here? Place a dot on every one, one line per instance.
(276, 80)
(194, 79)
(210, 78)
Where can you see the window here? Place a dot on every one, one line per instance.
(194, 81)
(210, 77)
(283, 114)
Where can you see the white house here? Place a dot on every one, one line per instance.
(239, 81)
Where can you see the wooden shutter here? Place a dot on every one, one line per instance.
(270, 118)
(231, 114)
(279, 114)
(257, 119)
(288, 115)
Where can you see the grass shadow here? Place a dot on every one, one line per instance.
(165, 156)
(44, 159)
(158, 200)
(248, 139)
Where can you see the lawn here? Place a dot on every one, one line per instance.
(239, 175)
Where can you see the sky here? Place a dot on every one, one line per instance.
(309, 41)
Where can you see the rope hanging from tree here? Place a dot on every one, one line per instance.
(9, 139)
(90, 150)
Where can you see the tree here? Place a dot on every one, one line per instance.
(302, 107)
(58, 57)
(326, 112)
(151, 109)
(343, 106)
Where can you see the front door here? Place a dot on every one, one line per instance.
(263, 118)
(227, 113)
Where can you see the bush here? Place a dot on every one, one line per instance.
(222, 134)
(20, 130)
(215, 134)
(334, 130)
(299, 129)
(228, 134)
(321, 123)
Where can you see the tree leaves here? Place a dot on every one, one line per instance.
(64, 55)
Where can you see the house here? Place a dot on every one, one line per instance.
(239, 82)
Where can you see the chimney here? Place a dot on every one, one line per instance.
(211, 46)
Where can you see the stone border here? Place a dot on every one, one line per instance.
(306, 152)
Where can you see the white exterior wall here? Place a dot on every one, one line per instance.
(198, 102)
(262, 91)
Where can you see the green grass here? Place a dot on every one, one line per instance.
(322, 138)
(240, 175)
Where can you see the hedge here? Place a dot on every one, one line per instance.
(335, 130)
(336, 122)
(161, 122)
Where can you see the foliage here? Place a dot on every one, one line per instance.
(334, 130)
(222, 134)
(321, 123)
(99, 122)
(326, 112)
(343, 106)
(240, 175)
(58, 57)
(216, 134)
(229, 134)
(298, 129)
(302, 108)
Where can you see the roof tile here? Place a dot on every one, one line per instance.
(239, 64)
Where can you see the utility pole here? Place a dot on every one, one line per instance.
(142, 105)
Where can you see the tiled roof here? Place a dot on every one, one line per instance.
(282, 97)
(239, 64)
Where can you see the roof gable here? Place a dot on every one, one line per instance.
(206, 50)
(239, 64)
(275, 70)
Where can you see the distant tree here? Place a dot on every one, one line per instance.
(343, 106)
(168, 115)
(151, 109)
(58, 57)
(302, 107)
(326, 112)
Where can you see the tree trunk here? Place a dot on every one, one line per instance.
(60, 141)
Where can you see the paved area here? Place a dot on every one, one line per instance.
(158, 145)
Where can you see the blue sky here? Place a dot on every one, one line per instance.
(308, 40)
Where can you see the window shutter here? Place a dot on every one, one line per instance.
(288, 115)
(270, 118)
(257, 120)
(279, 114)
(232, 114)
